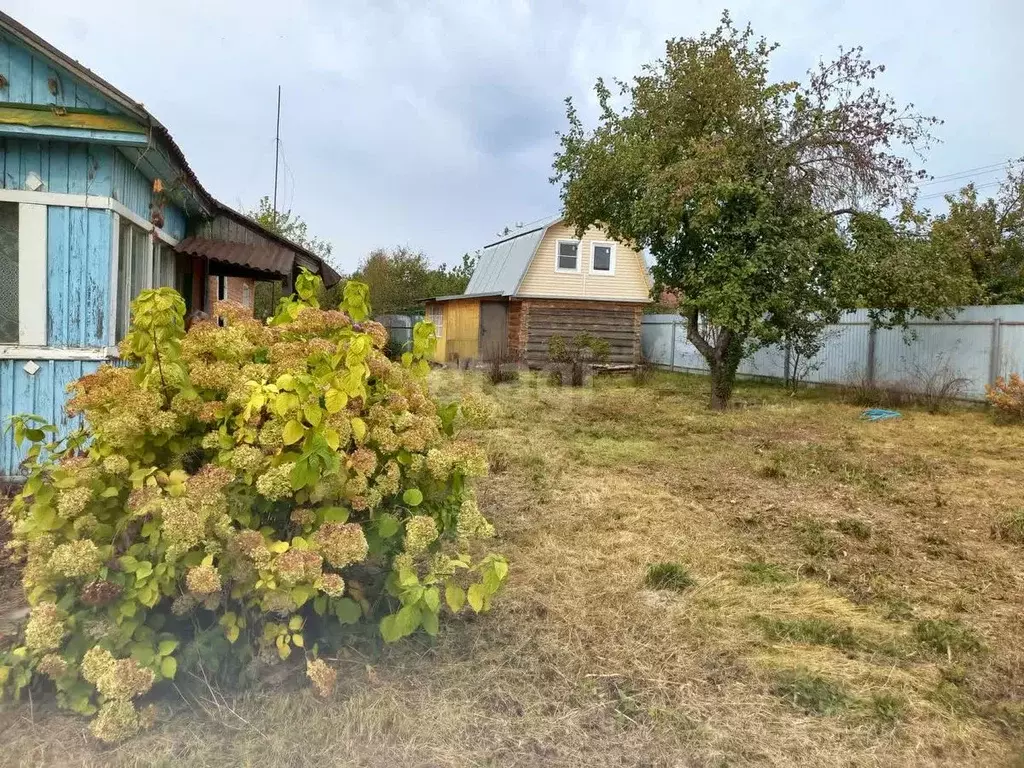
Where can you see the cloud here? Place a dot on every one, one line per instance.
(434, 124)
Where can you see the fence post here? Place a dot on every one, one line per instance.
(995, 352)
(672, 355)
(872, 341)
(786, 363)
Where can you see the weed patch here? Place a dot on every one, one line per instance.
(668, 576)
(946, 635)
(763, 573)
(855, 529)
(810, 693)
(887, 708)
(816, 540)
(811, 631)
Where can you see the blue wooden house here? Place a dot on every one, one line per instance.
(97, 203)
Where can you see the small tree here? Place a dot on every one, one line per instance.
(574, 359)
(748, 192)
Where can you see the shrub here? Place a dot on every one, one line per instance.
(244, 489)
(574, 359)
(502, 369)
(643, 373)
(1007, 397)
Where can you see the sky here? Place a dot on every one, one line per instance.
(433, 124)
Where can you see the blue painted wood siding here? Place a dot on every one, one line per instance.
(28, 81)
(78, 253)
(43, 393)
(78, 169)
(135, 191)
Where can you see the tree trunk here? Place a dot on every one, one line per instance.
(723, 359)
(723, 378)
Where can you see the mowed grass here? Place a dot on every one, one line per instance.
(780, 584)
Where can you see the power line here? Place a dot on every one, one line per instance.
(936, 195)
(983, 169)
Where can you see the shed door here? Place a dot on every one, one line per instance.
(493, 330)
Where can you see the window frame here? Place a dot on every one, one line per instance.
(594, 245)
(558, 256)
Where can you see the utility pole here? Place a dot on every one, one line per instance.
(277, 147)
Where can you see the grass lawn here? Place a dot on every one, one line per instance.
(781, 584)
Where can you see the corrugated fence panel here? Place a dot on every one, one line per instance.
(42, 393)
(958, 347)
(78, 276)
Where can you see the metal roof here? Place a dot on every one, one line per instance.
(262, 258)
(503, 263)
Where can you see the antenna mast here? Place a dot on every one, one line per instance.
(277, 147)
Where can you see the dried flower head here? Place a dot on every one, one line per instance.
(52, 665)
(203, 580)
(331, 584)
(323, 676)
(297, 565)
(45, 629)
(420, 533)
(75, 559)
(341, 543)
(72, 502)
(276, 483)
(117, 720)
(99, 593)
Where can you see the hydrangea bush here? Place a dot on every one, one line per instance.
(266, 482)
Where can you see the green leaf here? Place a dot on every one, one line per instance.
(408, 619)
(143, 569)
(142, 653)
(358, 428)
(293, 432)
(334, 514)
(168, 667)
(335, 400)
(387, 525)
(298, 641)
(432, 598)
(301, 593)
(320, 605)
(431, 624)
(347, 610)
(455, 596)
(475, 596)
(413, 497)
(313, 414)
(389, 629)
(166, 647)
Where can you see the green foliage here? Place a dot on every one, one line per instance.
(816, 540)
(812, 631)
(988, 235)
(763, 573)
(289, 226)
(400, 278)
(576, 355)
(754, 196)
(854, 528)
(811, 693)
(887, 708)
(243, 490)
(668, 576)
(946, 636)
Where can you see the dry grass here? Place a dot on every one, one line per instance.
(851, 605)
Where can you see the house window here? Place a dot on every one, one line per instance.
(602, 258)
(246, 294)
(436, 316)
(9, 307)
(134, 271)
(567, 257)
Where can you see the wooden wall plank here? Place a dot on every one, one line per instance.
(58, 234)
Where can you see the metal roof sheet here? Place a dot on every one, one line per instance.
(262, 258)
(503, 263)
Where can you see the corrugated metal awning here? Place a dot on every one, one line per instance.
(261, 258)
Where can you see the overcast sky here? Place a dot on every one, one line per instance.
(432, 124)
